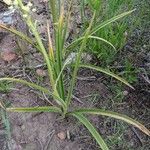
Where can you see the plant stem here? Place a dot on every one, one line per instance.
(53, 8)
(42, 48)
(59, 48)
(69, 96)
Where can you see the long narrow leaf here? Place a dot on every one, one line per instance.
(107, 22)
(102, 25)
(50, 46)
(114, 115)
(59, 48)
(20, 34)
(108, 73)
(78, 59)
(103, 40)
(67, 21)
(77, 41)
(62, 69)
(33, 85)
(34, 109)
(92, 130)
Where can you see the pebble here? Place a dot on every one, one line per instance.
(8, 56)
(23, 127)
(61, 135)
(125, 93)
(41, 72)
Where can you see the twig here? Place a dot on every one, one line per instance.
(29, 78)
(76, 98)
(137, 135)
(146, 79)
(86, 96)
(87, 78)
(40, 143)
(25, 67)
(48, 142)
(47, 99)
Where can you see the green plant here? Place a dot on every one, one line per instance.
(130, 72)
(4, 86)
(5, 121)
(117, 93)
(116, 140)
(56, 62)
(116, 33)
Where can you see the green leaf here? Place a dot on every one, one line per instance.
(35, 109)
(107, 72)
(75, 42)
(102, 25)
(95, 4)
(113, 115)
(77, 63)
(33, 85)
(61, 72)
(20, 34)
(103, 40)
(107, 22)
(91, 129)
(6, 122)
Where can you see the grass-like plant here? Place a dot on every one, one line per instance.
(55, 59)
(115, 33)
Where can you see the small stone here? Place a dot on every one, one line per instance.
(125, 33)
(61, 135)
(68, 135)
(23, 127)
(8, 56)
(41, 72)
(125, 93)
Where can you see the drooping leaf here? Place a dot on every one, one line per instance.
(27, 83)
(103, 40)
(92, 130)
(107, 22)
(107, 72)
(77, 41)
(114, 115)
(19, 34)
(40, 88)
(34, 109)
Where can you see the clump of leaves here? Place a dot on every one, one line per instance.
(5, 87)
(55, 59)
(116, 33)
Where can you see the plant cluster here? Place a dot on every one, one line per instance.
(55, 59)
(116, 33)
